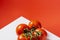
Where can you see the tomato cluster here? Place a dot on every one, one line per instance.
(32, 31)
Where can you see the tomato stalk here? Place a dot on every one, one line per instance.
(28, 32)
(31, 31)
(38, 33)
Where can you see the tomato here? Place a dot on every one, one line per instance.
(22, 37)
(42, 34)
(38, 34)
(35, 24)
(20, 28)
(31, 32)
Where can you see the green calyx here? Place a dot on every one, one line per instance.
(38, 33)
(28, 33)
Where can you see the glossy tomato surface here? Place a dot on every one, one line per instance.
(43, 34)
(20, 28)
(35, 24)
(22, 37)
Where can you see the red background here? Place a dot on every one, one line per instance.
(46, 11)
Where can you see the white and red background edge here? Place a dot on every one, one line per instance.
(9, 31)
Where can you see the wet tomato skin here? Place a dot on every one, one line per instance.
(34, 23)
(43, 34)
(20, 28)
(21, 37)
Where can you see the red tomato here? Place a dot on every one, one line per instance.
(22, 37)
(43, 34)
(20, 28)
(35, 24)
